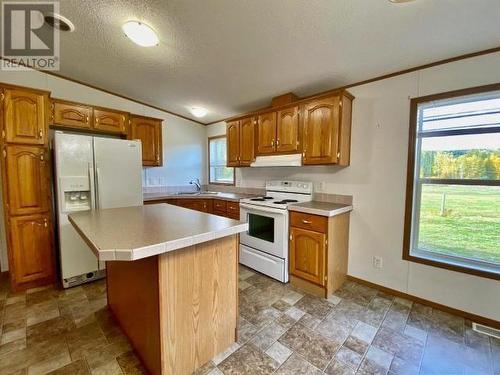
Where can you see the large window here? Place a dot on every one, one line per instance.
(218, 173)
(453, 195)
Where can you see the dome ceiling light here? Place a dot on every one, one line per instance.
(140, 34)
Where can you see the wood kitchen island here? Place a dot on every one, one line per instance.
(172, 280)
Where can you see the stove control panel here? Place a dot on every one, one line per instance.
(299, 187)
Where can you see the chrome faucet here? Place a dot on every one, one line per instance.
(196, 182)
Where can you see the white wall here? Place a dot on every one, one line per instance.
(184, 141)
(377, 179)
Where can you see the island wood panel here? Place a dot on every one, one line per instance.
(133, 298)
(182, 309)
(198, 303)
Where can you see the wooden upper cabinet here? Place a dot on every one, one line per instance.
(110, 121)
(28, 179)
(148, 131)
(287, 130)
(71, 114)
(25, 116)
(233, 143)
(321, 131)
(266, 133)
(31, 248)
(247, 135)
(307, 255)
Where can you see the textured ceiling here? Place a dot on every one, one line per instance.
(232, 56)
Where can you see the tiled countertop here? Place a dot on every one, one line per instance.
(132, 233)
(321, 208)
(225, 196)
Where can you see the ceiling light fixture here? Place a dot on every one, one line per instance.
(59, 22)
(199, 111)
(140, 34)
(400, 1)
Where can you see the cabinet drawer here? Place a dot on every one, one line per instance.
(233, 210)
(310, 222)
(219, 206)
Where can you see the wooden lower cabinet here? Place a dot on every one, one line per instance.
(307, 255)
(31, 252)
(202, 205)
(220, 207)
(318, 252)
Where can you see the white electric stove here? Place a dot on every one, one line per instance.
(264, 247)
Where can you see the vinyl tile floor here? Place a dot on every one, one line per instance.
(282, 330)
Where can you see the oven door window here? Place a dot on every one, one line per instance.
(261, 227)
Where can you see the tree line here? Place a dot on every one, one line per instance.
(475, 164)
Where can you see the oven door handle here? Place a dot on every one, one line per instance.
(256, 209)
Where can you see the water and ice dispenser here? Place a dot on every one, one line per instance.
(76, 193)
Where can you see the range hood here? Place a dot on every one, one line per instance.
(293, 160)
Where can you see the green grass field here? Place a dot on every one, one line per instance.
(470, 225)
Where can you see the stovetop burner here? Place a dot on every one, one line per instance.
(261, 199)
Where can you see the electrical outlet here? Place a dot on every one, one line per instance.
(377, 262)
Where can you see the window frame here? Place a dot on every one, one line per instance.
(410, 181)
(208, 151)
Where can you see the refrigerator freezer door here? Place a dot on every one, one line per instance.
(74, 184)
(118, 177)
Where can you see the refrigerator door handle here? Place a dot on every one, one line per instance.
(92, 186)
(97, 189)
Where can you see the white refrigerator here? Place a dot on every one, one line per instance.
(91, 173)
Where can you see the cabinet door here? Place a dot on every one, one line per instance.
(148, 131)
(233, 143)
(71, 114)
(195, 204)
(25, 118)
(287, 136)
(31, 251)
(28, 179)
(110, 121)
(247, 145)
(266, 133)
(321, 131)
(307, 255)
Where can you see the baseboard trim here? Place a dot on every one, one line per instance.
(464, 314)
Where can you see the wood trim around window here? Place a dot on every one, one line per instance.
(208, 151)
(412, 138)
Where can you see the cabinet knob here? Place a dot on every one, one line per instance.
(87, 119)
(2, 96)
(272, 142)
(4, 153)
(97, 120)
(306, 221)
(278, 143)
(45, 223)
(40, 133)
(42, 157)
